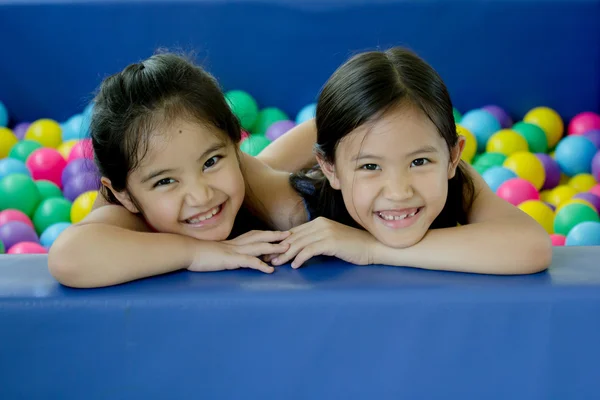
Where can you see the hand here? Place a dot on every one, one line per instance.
(241, 252)
(325, 237)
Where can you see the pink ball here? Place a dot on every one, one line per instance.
(27, 248)
(245, 135)
(583, 122)
(595, 190)
(47, 164)
(14, 215)
(517, 190)
(558, 240)
(82, 149)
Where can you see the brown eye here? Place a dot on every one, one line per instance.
(419, 162)
(211, 162)
(370, 167)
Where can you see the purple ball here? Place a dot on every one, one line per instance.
(501, 115)
(81, 183)
(596, 166)
(15, 232)
(594, 136)
(590, 198)
(552, 171)
(279, 128)
(21, 129)
(76, 167)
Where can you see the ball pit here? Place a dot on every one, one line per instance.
(584, 234)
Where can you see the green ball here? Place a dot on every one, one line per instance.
(534, 135)
(2, 250)
(20, 192)
(243, 106)
(48, 189)
(573, 214)
(457, 115)
(23, 149)
(266, 118)
(51, 211)
(488, 160)
(254, 144)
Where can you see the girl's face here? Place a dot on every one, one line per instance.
(393, 174)
(189, 182)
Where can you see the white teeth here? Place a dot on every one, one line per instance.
(397, 217)
(204, 217)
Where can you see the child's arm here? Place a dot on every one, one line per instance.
(293, 151)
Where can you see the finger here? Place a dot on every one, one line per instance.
(295, 247)
(310, 251)
(259, 249)
(255, 263)
(267, 258)
(261, 236)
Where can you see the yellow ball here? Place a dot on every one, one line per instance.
(527, 166)
(564, 179)
(540, 212)
(560, 194)
(545, 195)
(576, 201)
(46, 132)
(7, 140)
(470, 144)
(582, 182)
(83, 205)
(549, 120)
(507, 142)
(65, 148)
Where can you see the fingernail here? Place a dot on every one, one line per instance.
(275, 260)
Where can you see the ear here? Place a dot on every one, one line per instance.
(123, 196)
(329, 172)
(455, 155)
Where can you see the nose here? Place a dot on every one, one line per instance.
(398, 187)
(199, 194)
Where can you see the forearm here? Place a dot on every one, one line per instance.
(95, 255)
(293, 151)
(485, 248)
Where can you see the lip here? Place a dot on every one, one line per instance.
(399, 223)
(210, 221)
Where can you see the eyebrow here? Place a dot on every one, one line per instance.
(211, 149)
(421, 150)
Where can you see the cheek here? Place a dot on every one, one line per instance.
(161, 209)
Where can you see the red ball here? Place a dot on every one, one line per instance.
(46, 164)
(558, 240)
(82, 149)
(14, 215)
(517, 190)
(27, 248)
(583, 122)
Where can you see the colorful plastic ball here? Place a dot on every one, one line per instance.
(470, 148)
(551, 171)
(573, 214)
(596, 166)
(76, 167)
(45, 131)
(7, 141)
(267, 117)
(254, 144)
(584, 234)
(65, 148)
(517, 190)
(527, 166)
(82, 149)
(583, 122)
(595, 190)
(560, 194)
(81, 183)
(557, 240)
(27, 248)
(590, 198)
(14, 215)
(573, 200)
(245, 135)
(48, 189)
(488, 160)
(76, 128)
(501, 115)
(594, 137)
(244, 107)
(549, 120)
(18, 191)
(507, 142)
(540, 212)
(11, 166)
(82, 206)
(48, 237)
(307, 112)
(3, 115)
(574, 155)
(457, 115)
(50, 212)
(496, 176)
(534, 135)
(15, 232)
(47, 164)
(482, 124)
(21, 129)
(582, 182)
(23, 149)
(2, 249)
(278, 129)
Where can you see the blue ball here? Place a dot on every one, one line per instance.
(9, 166)
(51, 233)
(76, 128)
(482, 124)
(496, 176)
(574, 155)
(3, 115)
(306, 113)
(584, 234)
